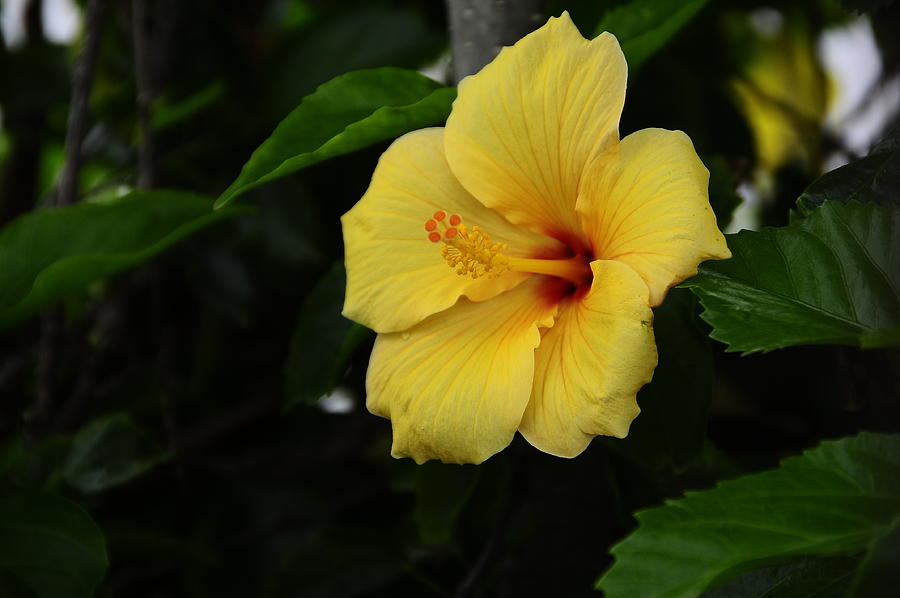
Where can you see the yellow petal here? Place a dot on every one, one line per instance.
(455, 386)
(645, 203)
(524, 127)
(395, 276)
(591, 364)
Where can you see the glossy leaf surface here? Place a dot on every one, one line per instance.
(831, 278)
(348, 113)
(832, 500)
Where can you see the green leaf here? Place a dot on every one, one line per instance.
(168, 113)
(323, 341)
(348, 113)
(442, 492)
(49, 547)
(879, 574)
(873, 179)
(643, 27)
(50, 253)
(671, 428)
(832, 500)
(12, 455)
(831, 278)
(108, 452)
(369, 36)
(801, 578)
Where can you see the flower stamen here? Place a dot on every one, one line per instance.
(470, 252)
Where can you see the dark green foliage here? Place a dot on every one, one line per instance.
(878, 575)
(442, 492)
(834, 499)
(108, 452)
(373, 35)
(48, 254)
(671, 429)
(873, 179)
(800, 578)
(176, 397)
(323, 341)
(348, 113)
(643, 27)
(830, 278)
(867, 6)
(49, 547)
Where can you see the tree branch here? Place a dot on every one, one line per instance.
(146, 166)
(82, 78)
(53, 321)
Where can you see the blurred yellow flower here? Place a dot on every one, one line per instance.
(784, 95)
(509, 261)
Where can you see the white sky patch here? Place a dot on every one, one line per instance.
(341, 400)
(861, 108)
(439, 69)
(61, 21)
(747, 215)
(12, 20)
(858, 113)
(863, 129)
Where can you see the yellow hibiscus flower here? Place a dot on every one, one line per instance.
(509, 261)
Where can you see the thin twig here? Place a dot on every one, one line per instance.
(107, 323)
(491, 544)
(52, 322)
(146, 166)
(82, 78)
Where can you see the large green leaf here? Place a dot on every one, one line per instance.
(50, 253)
(873, 179)
(805, 577)
(643, 27)
(830, 278)
(49, 547)
(832, 500)
(879, 574)
(323, 341)
(108, 452)
(348, 113)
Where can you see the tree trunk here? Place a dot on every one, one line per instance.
(480, 28)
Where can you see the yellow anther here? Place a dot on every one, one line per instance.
(471, 253)
(468, 252)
